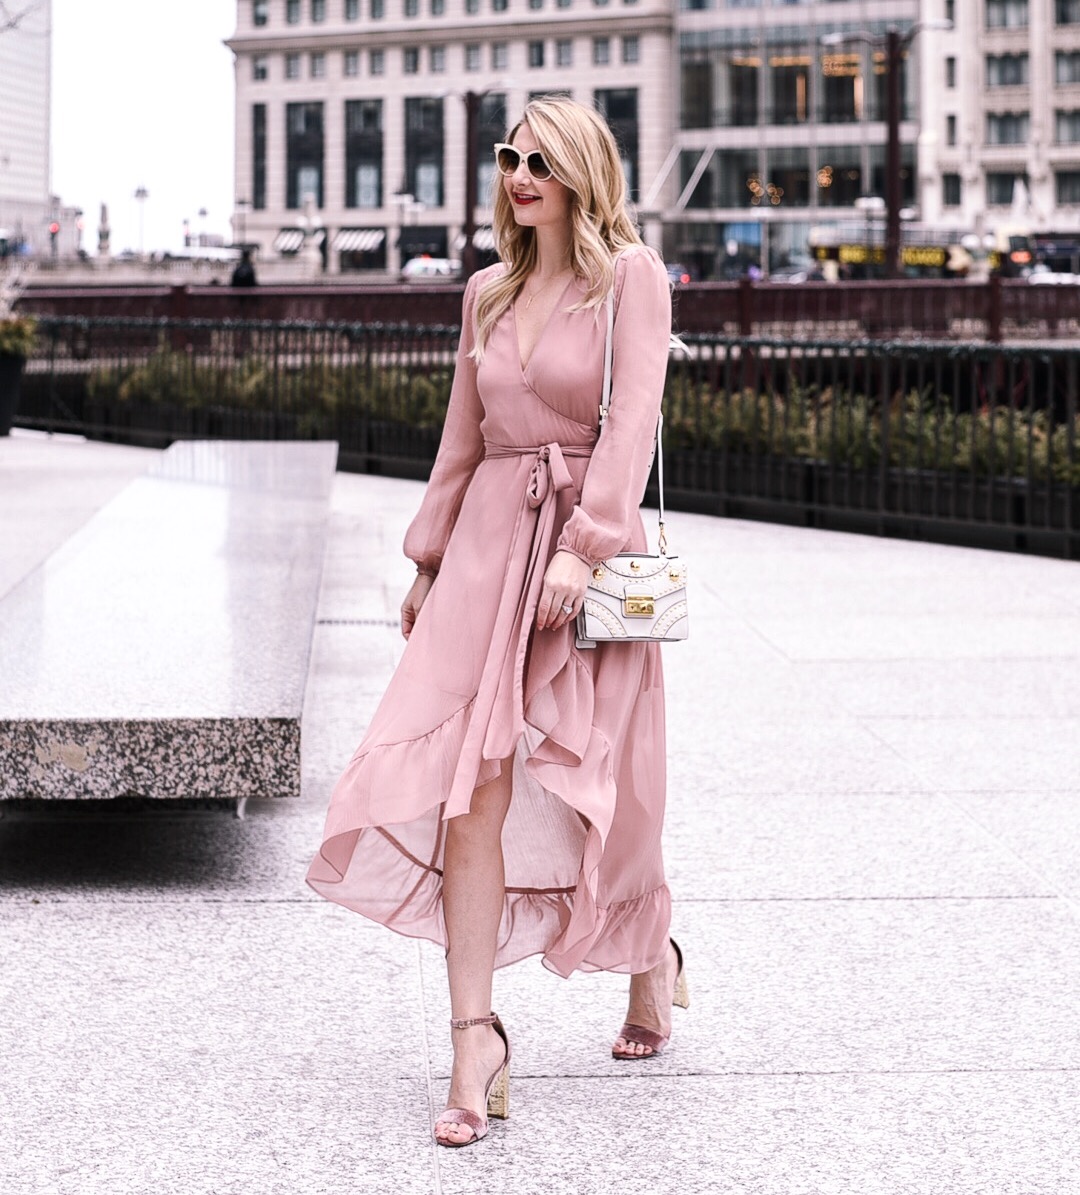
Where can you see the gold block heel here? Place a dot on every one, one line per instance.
(681, 998)
(498, 1103)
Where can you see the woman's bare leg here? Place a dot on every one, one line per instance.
(474, 888)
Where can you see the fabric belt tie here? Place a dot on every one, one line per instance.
(489, 737)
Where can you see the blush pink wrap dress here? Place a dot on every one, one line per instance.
(520, 474)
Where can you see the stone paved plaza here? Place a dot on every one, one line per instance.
(873, 842)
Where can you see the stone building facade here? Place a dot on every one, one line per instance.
(351, 114)
(1000, 100)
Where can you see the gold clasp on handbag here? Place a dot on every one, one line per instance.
(639, 605)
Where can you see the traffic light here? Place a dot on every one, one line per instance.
(54, 233)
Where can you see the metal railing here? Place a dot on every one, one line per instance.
(969, 442)
(1004, 310)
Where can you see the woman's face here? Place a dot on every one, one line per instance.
(535, 203)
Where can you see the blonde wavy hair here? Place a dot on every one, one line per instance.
(583, 156)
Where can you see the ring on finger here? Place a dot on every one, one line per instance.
(567, 608)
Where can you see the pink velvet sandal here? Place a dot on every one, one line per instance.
(496, 1093)
(649, 1037)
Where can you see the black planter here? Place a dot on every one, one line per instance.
(10, 372)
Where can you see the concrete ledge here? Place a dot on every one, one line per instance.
(162, 651)
(214, 758)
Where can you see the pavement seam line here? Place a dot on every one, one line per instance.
(426, 1043)
(1070, 902)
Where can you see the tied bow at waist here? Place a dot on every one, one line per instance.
(549, 473)
(498, 714)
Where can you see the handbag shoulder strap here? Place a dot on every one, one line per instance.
(605, 403)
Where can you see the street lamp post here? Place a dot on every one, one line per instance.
(896, 46)
(894, 65)
(469, 261)
(142, 195)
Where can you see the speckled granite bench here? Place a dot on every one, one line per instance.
(163, 650)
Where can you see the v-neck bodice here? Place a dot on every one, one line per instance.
(556, 392)
(560, 303)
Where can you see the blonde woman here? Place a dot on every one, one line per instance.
(508, 797)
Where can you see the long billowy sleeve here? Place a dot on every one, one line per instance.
(460, 451)
(602, 523)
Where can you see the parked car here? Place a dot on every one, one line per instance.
(678, 273)
(430, 269)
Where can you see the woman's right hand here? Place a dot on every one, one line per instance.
(414, 599)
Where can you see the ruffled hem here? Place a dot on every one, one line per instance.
(386, 863)
(629, 937)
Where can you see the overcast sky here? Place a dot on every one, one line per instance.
(143, 96)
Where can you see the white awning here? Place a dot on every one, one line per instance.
(483, 239)
(359, 240)
(288, 240)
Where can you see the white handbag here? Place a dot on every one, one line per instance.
(634, 597)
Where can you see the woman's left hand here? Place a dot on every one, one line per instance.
(564, 586)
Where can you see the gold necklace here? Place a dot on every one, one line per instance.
(540, 290)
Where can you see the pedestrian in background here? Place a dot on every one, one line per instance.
(508, 797)
(244, 272)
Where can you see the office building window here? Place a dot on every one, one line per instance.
(950, 11)
(472, 7)
(950, 72)
(318, 66)
(352, 63)
(950, 129)
(258, 156)
(1006, 70)
(303, 154)
(563, 3)
(363, 153)
(1006, 14)
(472, 56)
(564, 52)
(619, 107)
(412, 8)
(1007, 128)
(1067, 187)
(260, 68)
(536, 4)
(260, 12)
(499, 5)
(601, 3)
(292, 66)
(500, 56)
(378, 9)
(840, 87)
(1067, 126)
(601, 51)
(1067, 12)
(536, 53)
(1067, 66)
(410, 60)
(789, 76)
(1002, 185)
(839, 175)
(377, 62)
(437, 59)
(292, 12)
(491, 125)
(424, 149)
(352, 10)
(951, 190)
(318, 11)
(438, 7)
(631, 49)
